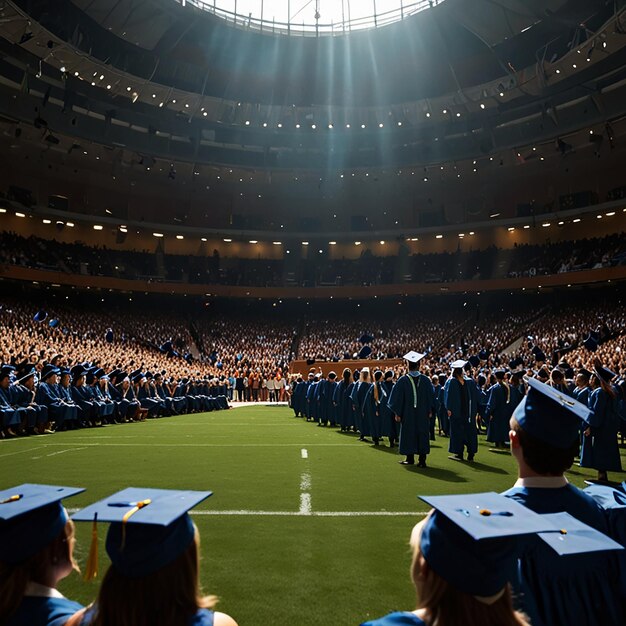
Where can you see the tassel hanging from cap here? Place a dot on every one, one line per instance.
(91, 569)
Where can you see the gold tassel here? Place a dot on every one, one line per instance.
(91, 570)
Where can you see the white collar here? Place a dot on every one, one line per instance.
(41, 591)
(542, 482)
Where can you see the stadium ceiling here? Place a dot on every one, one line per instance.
(454, 46)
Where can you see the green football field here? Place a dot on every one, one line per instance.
(306, 526)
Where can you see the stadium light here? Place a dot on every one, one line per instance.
(98, 227)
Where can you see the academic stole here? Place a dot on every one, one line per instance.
(414, 390)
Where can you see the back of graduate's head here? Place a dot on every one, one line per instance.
(347, 375)
(545, 429)
(167, 596)
(47, 566)
(446, 605)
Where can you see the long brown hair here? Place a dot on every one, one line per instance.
(15, 577)
(446, 606)
(168, 597)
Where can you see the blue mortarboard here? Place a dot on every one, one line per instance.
(166, 347)
(458, 364)
(6, 371)
(48, 370)
(574, 537)
(413, 357)
(590, 343)
(64, 371)
(364, 352)
(78, 371)
(53, 323)
(549, 415)
(602, 372)
(365, 338)
(473, 541)
(138, 377)
(31, 516)
(26, 373)
(149, 527)
(539, 354)
(108, 335)
(40, 316)
(474, 361)
(483, 355)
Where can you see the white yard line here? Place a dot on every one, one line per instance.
(249, 513)
(305, 504)
(21, 451)
(206, 445)
(305, 453)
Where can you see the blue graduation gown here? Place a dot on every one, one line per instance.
(390, 428)
(359, 392)
(372, 410)
(575, 589)
(398, 618)
(340, 402)
(613, 503)
(202, 617)
(463, 431)
(603, 453)
(499, 408)
(414, 404)
(39, 611)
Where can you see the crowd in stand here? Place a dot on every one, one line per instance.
(368, 269)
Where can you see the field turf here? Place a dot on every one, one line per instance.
(273, 554)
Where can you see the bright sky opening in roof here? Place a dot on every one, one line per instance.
(330, 15)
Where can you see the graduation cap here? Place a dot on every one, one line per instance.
(48, 370)
(108, 335)
(388, 374)
(64, 371)
(607, 497)
(138, 378)
(602, 372)
(590, 343)
(149, 528)
(53, 323)
(166, 347)
(474, 361)
(26, 373)
(188, 357)
(549, 415)
(364, 352)
(543, 373)
(365, 338)
(6, 371)
(78, 370)
(413, 357)
(584, 372)
(483, 355)
(473, 541)
(515, 363)
(539, 355)
(458, 364)
(40, 316)
(31, 517)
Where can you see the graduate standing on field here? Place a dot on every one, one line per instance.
(412, 400)
(461, 400)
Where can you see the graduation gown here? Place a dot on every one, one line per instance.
(41, 611)
(390, 428)
(341, 402)
(372, 410)
(576, 589)
(613, 503)
(603, 453)
(463, 410)
(359, 392)
(398, 618)
(413, 401)
(202, 617)
(499, 408)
